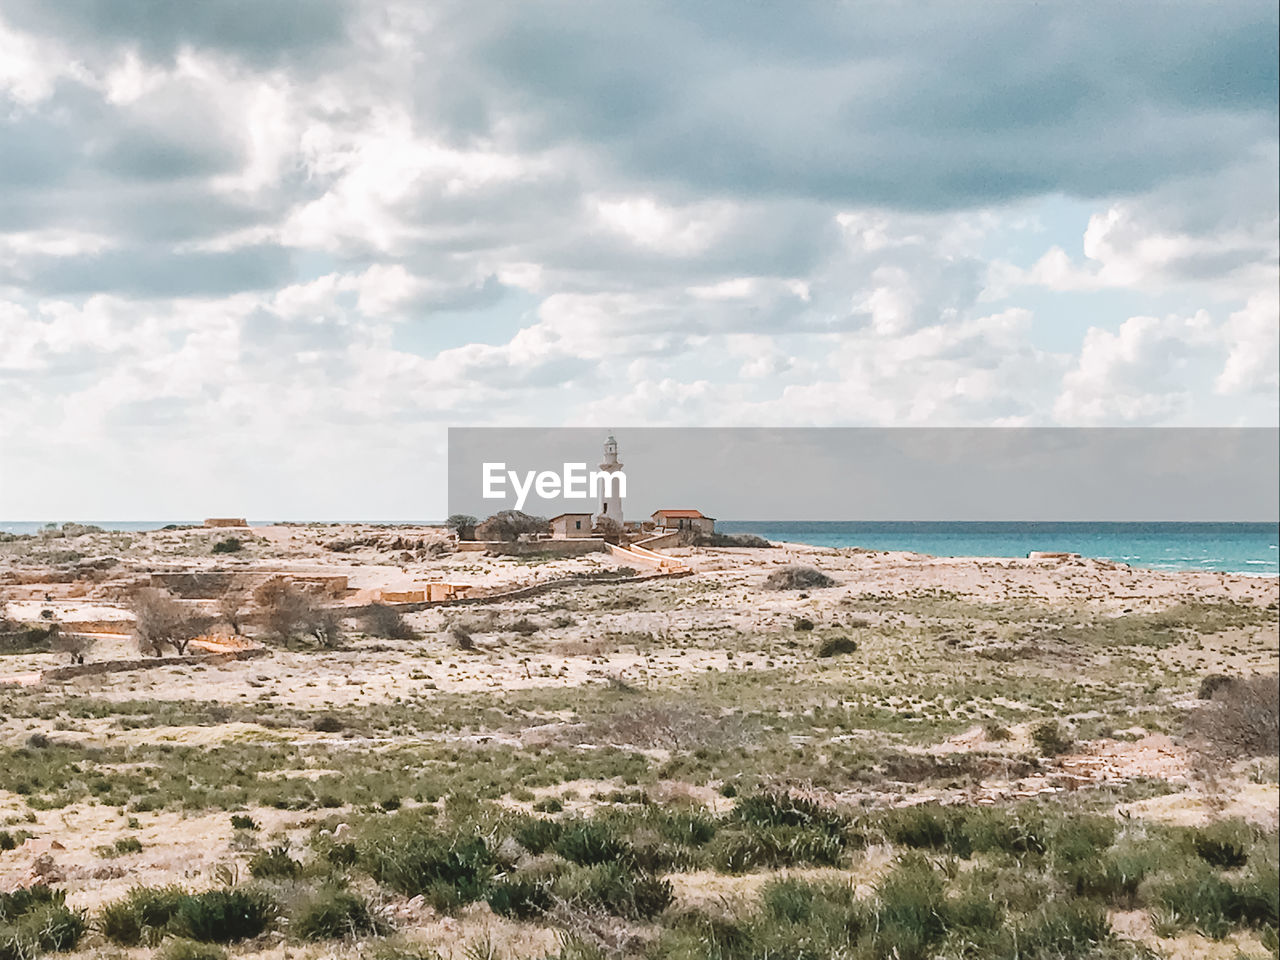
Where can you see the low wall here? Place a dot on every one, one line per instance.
(521, 593)
(561, 548)
(98, 667)
(660, 541)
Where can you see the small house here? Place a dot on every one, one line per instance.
(570, 526)
(671, 520)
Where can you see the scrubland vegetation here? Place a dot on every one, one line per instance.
(786, 763)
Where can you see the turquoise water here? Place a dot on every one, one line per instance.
(1227, 547)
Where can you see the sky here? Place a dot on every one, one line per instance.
(256, 256)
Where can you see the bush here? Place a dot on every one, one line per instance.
(737, 851)
(1200, 897)
(229, 545)
(804, 624)
(616, 888)
(142, 916)
(461, 637)
(796, 577)
(1060, 929)
(590, 841)
(1224, 844)
(510, 525)
(1211, 685)
(451, 868)
(782, 809)
(36, 919)
(910, 910)
(697, 539)
(161, 622)
(836, 646)
(327, 723)
(386, 622)
(240, 821)
(191, 950)
(521, 897)
(274, 863)
(536, 834)
(332, 912)
(1051, 738)
(224, 915)
(1242, 718)
(927, 827)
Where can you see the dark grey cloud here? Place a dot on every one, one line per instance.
(934, 107)
(258, 31)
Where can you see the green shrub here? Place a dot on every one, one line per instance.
(797, 577)
(243, 822)
(988, 831)
(229, 545)
(910, 910)
(837, 646)
(804, 624)
(1059, 929)
(927, 827)
(182, 949)
(548, 805)
(1051, 738)
(452, 868)
(332, 912)
(342, 854)
(1200, 897)
(274, 863)
(24, 900)
(617, 888)
(1081, 837)
(590, 841)
(224, 915)
(1114, 875)
(781, 809)
(521, 897)
(740, 850)
(141, 916)
(536, 834)
(36, 919)
(1224, 844)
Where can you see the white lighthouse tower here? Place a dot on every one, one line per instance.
(610, 501)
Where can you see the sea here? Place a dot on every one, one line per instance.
(1227, 547)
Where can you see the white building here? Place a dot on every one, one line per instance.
(610, 498)
(671, 520)
(570, 526)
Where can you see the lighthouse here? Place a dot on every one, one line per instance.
(610, 500)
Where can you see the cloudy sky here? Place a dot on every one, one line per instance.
(257, 255)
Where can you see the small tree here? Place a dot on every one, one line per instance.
(286, 610)
(511, 525)
(381, 620)
(231, 607)
(75, 645)
(162, 621)
(609, 529)
(463, 524)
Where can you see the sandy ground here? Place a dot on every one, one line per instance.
(654, 643)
